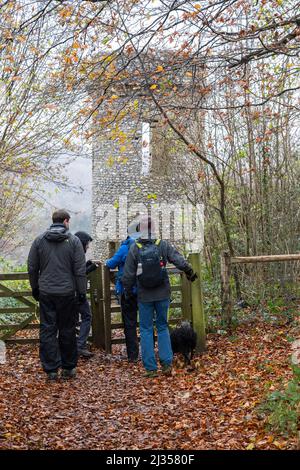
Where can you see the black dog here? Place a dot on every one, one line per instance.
(184, 340)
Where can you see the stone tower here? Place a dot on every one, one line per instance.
(134, 162)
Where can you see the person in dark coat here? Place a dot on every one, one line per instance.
(128, 306)
(57, 271)
(84, 308)
(146, 266)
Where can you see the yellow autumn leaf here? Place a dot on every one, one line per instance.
(250, 446)
(21, 38)
(160, 68)
(114, 97)
(197, 6)
(66, 12)
(153, 87)
(76, 45)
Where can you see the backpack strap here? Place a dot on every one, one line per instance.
(140, 245)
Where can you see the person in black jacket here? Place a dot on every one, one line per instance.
(84, 308)
(145, 267)
(57, 271)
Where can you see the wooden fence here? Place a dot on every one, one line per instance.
(28, 306)
(227, 262)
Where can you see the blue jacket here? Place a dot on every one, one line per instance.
(118, 261)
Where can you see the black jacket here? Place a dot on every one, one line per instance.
(169, 254)
(56, 263)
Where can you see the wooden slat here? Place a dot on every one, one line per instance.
(31, 326)
(118, 341)
(13, 276)
(22, 340)
(176, 288)
(5, 310)
(115, 309)
(176, 305)
(264, 259)
(16, 294)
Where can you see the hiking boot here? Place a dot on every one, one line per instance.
(67, 374)
(166, 369)
(85, 353)
(52, 376)
(150, 374)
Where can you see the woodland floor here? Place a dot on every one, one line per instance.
(111, 405)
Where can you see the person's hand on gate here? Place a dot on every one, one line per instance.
(191, 275)
(90, 266)
(36, 294)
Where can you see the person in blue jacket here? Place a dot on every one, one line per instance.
(128, 305)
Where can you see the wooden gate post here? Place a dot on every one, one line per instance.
(186, 298)
(96, 287)
(107, 309)
(198, 317)
(225, 288)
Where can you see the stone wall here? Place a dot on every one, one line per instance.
(117, 175)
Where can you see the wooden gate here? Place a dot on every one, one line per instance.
(29, 306)
(107, 310)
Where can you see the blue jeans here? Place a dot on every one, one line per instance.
(85, 326)
(146, 314)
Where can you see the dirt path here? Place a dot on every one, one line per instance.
(112, 406)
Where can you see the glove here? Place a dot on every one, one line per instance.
(36, 294)
(190, 275)
(90, 266)
(81, 299)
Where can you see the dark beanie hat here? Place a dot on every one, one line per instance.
(84, 237)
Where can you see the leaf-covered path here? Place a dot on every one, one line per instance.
(112, 406)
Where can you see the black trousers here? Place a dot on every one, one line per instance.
(58, 346)
(129, 315)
